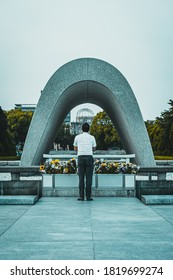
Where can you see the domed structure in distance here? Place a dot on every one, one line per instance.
(84, 115)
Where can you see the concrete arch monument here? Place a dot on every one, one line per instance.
(87, 80)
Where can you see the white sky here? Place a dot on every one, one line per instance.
(39, 36)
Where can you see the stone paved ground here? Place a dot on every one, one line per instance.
(67, 229)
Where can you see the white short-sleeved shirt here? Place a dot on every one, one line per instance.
(85, 144)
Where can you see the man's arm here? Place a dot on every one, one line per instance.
(75, 144)
(94, 144)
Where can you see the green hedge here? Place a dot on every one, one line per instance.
(9, 158)
(164, 157)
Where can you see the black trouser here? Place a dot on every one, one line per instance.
(85, 169)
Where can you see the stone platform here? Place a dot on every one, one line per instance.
(74, 192)
(18, 199)
(157, 199)
(58, 228)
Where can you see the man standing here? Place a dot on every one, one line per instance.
(85, 144)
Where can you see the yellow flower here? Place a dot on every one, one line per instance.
(55, 161)
(42, 167)
(65, 170)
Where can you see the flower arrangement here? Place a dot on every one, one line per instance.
(59, 167)
(100, 167)
(110, 167)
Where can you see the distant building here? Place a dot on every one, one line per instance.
(32, 107)
(75, 128)
(67, 119)
(25, 107)
(83, 115)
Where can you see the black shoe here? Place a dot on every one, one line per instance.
(89, 199)
(80, 198)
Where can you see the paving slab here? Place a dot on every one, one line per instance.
(60, 228)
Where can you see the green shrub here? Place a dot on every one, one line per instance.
(9, 158)
(164, 157)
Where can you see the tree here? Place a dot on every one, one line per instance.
(160, 132)
(105, 133)
(6, 144)
(64, 137)
(3, 124)
(18, 124)
(166, 122)
(3, 132)
(155, 134)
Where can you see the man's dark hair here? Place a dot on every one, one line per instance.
(85, 127)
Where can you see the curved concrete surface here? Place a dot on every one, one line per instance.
(87, 80)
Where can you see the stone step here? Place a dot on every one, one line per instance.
(100, 192)
(18, 199)
(157, 199)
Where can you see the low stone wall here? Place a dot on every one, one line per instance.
(9, 162)
(154, 188)
(164, 162)
(16, 186)
(23, 187)
(159, 186)
(106, 185)
(74, 192)
(97, 152)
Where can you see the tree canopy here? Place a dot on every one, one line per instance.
(64, 137)
(105, 133)
(14, 126)
(3, 133)
(18, 124)
(160, 132)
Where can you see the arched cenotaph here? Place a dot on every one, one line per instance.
(87, 80)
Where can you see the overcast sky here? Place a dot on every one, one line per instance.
(39, 36)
